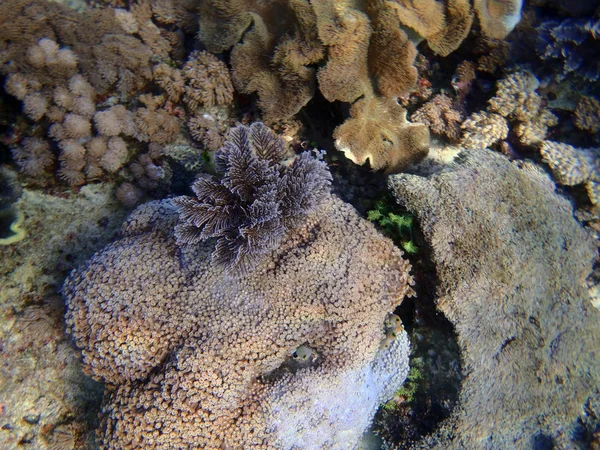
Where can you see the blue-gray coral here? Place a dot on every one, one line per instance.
(255, 202)
(573, 42)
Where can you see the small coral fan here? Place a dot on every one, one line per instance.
(257, 200)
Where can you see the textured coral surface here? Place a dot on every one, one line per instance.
(512, 263)
(199, 359)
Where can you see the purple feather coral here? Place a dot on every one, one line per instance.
(257, 200)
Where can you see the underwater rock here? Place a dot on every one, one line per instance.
(40, 371)
(512, 263)
(195, 358)
(11, 217)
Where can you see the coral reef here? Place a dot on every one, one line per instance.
(365, 55)
(516, 99)
(574, 43)
(571, 166)
(516, 103)
(483, 129)
(378, 131)
(257, 200)
(512, 263)
(205, 360)
(77, 74)
(440, 117)
(498, 17)
(587, 115)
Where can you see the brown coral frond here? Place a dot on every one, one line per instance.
(208, 82)
(440, 116)
(378, 131)
(346, 36)
(459, 18)
(498, 17)
(391, 55)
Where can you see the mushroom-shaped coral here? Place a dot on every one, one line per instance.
(378, 131)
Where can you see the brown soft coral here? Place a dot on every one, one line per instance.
(440, 116)
(207, 81)
(391, 54)
(378, 131)
(274, 57)
(498, 17)
(587, 114)
(346, 36)
(443, 26)
(205, 361)
(362, 47)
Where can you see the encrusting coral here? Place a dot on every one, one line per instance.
(206, 361)
(257, 200)
(512, 263)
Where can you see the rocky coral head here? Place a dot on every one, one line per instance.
(257, 199)
(195, 358)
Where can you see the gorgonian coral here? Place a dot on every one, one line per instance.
(255, 202)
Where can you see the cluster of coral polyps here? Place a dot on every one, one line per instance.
(86, 85)
(195, 358)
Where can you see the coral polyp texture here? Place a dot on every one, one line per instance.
(256, 201)
(194, 358)
(512, 263)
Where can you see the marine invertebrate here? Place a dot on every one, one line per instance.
(444, 26)
(498, 17)
(508, 253)
(33, 155)
(329, 286)
(573, 43)
(365, 55)
(208, 82)
(378, 131)
(440, 117)
(257, 200)
(571, 166)
(516, 99)
(587, 114)
(208, 130)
